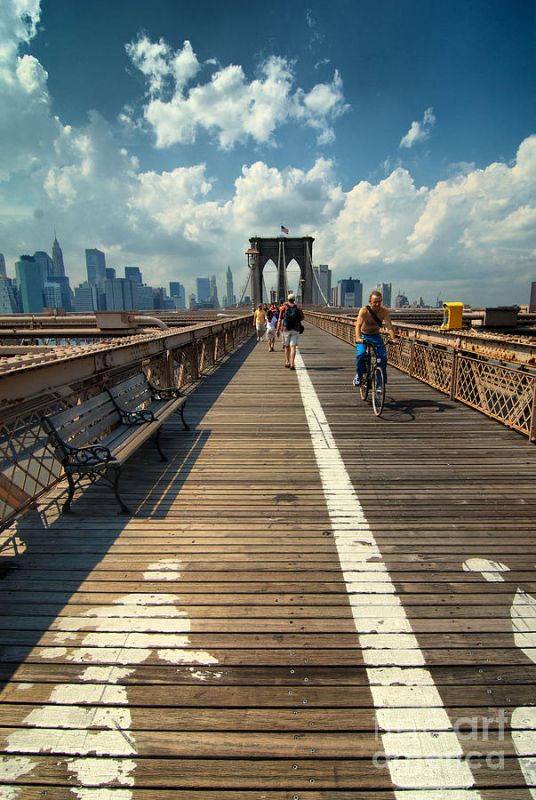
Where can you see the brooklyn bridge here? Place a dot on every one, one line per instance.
(304, 601)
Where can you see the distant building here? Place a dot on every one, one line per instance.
(134, 274)
(96, 266)
(110, 273)
(85, 298)
(386, 290)
(203, 290)
(45, 262)
(349, 292)
(31, 281)
(177, 292)
(230, 299)
(58, 267)
(8, 296)
(401, 301)
(143, 297)
(3, 272)
(214, 292)
(191, 301)
(322, 277)
(52, 295)
(532, 304)
(119, 294)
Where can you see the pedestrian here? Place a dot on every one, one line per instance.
(290, 326)
(259, 321)
(271, 326)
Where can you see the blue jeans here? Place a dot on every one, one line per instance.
(379, 348)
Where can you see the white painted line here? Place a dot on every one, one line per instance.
(417, 758)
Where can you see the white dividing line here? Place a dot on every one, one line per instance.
(422, 749)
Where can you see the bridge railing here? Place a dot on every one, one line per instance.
(28, 465)
(492, 375)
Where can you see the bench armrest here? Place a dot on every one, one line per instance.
(163, 393)
(88, 456)
(136, 417)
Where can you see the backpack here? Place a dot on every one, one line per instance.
(292, 318)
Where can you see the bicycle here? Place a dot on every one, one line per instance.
(374, 380)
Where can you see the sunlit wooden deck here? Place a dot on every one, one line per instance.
(207, 649)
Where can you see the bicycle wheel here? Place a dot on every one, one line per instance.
(378, 391)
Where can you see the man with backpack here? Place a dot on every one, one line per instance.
(290, 323)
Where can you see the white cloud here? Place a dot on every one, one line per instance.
(474, 232)
(228, 106)
(419, 131)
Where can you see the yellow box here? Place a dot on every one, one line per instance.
(452, 316)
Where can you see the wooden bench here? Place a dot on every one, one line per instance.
(94, 439)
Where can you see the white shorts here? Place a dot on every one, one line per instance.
(261, 330)
(270, 334)
(290, 338)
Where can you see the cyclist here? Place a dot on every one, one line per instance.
(369, 321)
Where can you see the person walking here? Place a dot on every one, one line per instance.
(289, 325)
(259, 321)
(271, 327)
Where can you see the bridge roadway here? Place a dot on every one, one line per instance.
(212, 647)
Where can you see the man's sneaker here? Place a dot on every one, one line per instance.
(356, 381)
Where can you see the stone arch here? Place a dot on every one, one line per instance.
(282, 250)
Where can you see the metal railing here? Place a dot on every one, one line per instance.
(464, 367)
(30, 391)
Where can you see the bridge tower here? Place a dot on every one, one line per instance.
(281, 250)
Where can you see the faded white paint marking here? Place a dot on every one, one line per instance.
(523, 616)
(12, 767)
(411, 762)
(96, 771)
(94, 717)
(164, 570)
(490, 570)
(524, 721)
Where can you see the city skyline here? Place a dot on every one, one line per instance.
(400, 136)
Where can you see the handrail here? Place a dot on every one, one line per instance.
(70, 375)
(492, 374)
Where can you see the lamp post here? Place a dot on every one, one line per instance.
(252, 255)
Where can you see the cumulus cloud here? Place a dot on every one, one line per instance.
(419, 131)
(474, 232)
(228, 106)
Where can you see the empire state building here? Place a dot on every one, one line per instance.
(57, 260)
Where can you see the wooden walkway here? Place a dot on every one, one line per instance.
(208, 648)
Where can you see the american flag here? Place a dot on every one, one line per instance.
(283, 229)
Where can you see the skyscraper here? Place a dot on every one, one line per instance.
(386, 290)
(322, 276)
(45, 262)
(134, 274)
(31, 282)
(58, 269)
(214, 292)
(177, 293)
(2, 265)
(230, 299)
(8, 296)
(349, 292)
(96, 266)
(203, 290)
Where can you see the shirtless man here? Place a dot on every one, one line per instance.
(367, 329)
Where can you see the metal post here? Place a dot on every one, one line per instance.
(532, 431)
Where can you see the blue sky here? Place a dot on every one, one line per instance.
(400, 134)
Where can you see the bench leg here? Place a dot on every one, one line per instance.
(163, 456)
(184, 423)
(116, 474)
(66, 508)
